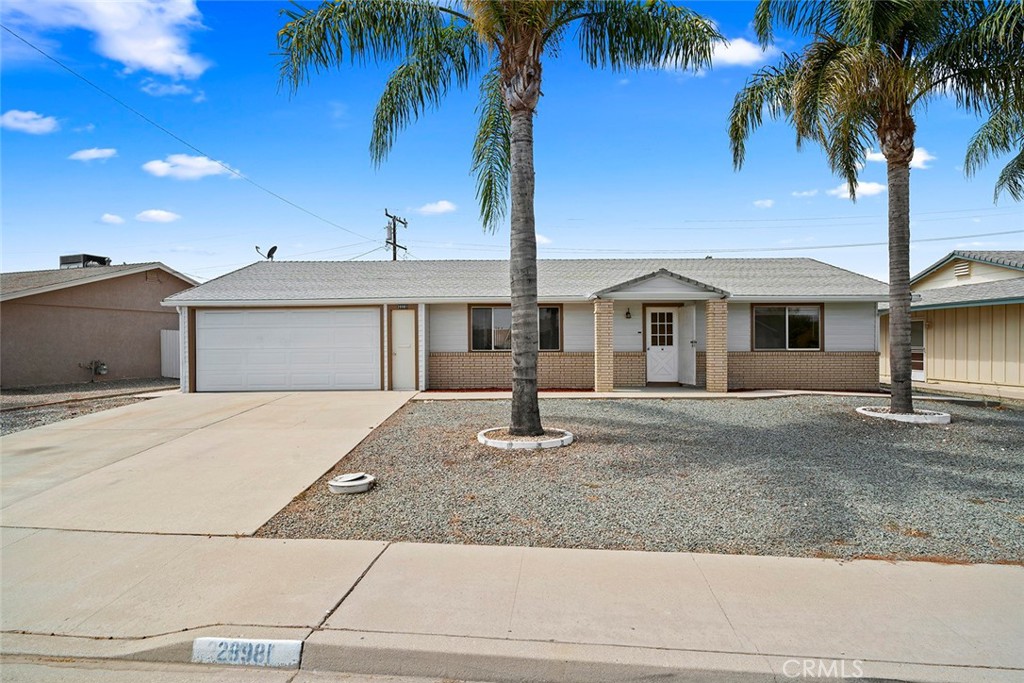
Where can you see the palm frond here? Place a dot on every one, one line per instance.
(630, 35)
(437, 59)
(1002, 133)
(313, 40)
(803, 17)
(1011, 178)
(769, 89)
(491, 151)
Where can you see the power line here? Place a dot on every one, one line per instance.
(182, 140)
(366, 252)
(859, 222)
(487, 247)
(828, 218)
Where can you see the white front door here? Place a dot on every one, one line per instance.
(403, 349)
(662, 342)
(688, 345)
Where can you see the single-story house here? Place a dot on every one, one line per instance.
(66, 325)
(967, 322)
(726, 324)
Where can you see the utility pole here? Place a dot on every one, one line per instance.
(393, 234)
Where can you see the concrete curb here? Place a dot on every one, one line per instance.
(517, 661)
(423, 656)
(174, 648)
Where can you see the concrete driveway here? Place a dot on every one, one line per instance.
(219, 464)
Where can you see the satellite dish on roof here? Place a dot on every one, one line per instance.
(270, 253)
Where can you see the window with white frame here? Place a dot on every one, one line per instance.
(491, 328)
(787, 328)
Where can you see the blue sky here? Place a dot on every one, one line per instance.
(628, 164)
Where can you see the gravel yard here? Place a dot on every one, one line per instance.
(36, 406)
(802, 476)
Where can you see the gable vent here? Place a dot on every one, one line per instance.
(962, 269)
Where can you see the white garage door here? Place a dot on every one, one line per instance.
(260, 350)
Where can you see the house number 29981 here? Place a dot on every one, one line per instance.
(235, 652)
(247, 652)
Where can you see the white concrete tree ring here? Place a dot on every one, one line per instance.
(565, 439)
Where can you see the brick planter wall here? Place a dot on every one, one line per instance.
(630, 369)
(561, 370)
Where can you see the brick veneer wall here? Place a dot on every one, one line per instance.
(604, 345)
(630, 368)
(556, 370)
(824, 371)
(717, 375)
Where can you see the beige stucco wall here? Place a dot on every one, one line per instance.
(44, 337)
(976, 344)
(979, 272)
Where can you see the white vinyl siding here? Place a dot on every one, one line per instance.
(449, 328)
(578, 327)
(628, 334)
(739, 327)
(850, 327)
(288, 349)
(702, 326)
(660, 286)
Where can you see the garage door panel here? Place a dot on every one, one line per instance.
(311, 349)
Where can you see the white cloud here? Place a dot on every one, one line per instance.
(156, 216)
(157, 89)
(94, 153)
(112, 219)
(150, 35)
(87, 128)
(541, 239)
(804, 193)
(438, 207)
(740, 52)
(863, 190)
(28, 122)
(921, 158)
(919, 161)
(184, 167)
(764, 203)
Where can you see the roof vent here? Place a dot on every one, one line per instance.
(962, 269)
(83, 261)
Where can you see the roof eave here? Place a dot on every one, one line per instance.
(21, 294)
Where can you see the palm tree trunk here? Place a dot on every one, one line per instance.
(523, 273)
(899, 286)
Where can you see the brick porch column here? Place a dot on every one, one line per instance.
(604, 345)
(717, 346)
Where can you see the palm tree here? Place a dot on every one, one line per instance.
(503, 42)
(869, 68)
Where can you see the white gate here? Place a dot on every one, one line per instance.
(170, 359)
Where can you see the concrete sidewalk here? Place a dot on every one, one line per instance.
(510, 614)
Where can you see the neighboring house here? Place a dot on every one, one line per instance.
(967, 322)
(720, 323)
(54, 322)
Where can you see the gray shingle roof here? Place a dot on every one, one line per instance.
(1013, 259)
(488, 280)
(981, 294)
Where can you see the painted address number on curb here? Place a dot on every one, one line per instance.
(246, 651)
